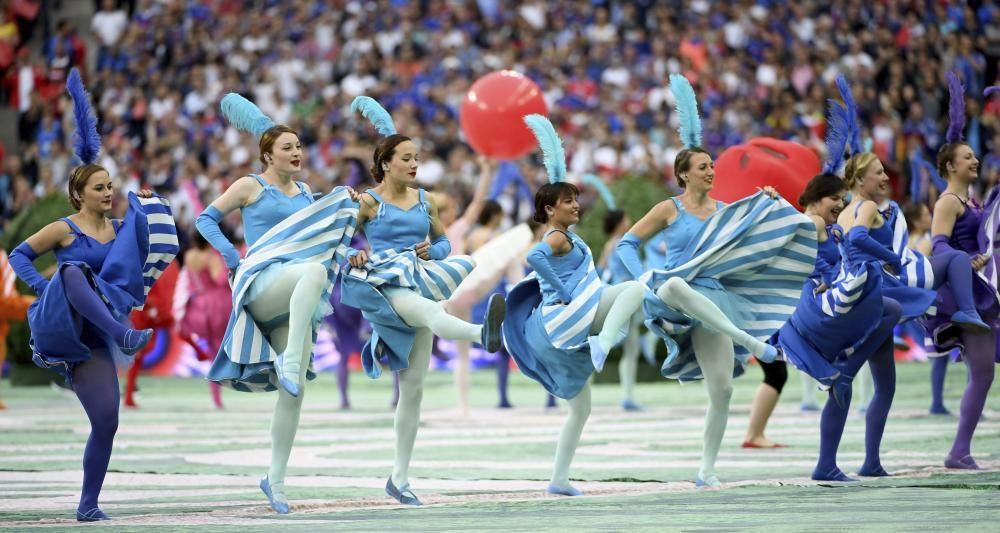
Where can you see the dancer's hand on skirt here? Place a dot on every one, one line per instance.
(770, 191)
(423, 251)
(980, 261)
(353, 194)
(821, 289)
(889, 268)
(358, 259)
(145, 193)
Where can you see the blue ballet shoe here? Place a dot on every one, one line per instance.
(597, 354)
(560, 490)
(873, 471)
(831, 475)
(93, 515)
(279, 506)
(135, 340)
(970, 321)
(808, 407)
(403, 494)
(965, 463)
(492, 335)
(707, 482)
(290, 386)
(631, 406)
(939, 410)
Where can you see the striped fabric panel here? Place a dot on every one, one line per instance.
(762, 251)
(568, 326)
(917, 271)
(988, 237)
(839, 300)
(400, 267)
(163, 244)
(319, 233)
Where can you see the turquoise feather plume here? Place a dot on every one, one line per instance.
(602, 189)
(551, 145)
(687, 110)
(244, 115)
(375, 113)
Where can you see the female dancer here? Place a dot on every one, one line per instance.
(282, 288)
(872, 237)
(104, 269)
(399, 286)
(713, 255)
(918, 223)
(959, 227)
(563, 319)
(206, 305)
(13, 306)
(616, 223)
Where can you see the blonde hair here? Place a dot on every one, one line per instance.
(857, 167)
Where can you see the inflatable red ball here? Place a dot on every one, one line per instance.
(784, 165)
(492, 116)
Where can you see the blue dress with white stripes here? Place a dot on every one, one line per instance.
(750, 258)
(393, 233)
(121, 271)
(548, 339)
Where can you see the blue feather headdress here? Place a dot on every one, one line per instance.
(551, 145)
(990, 90)
(956, 109)
(244, 115)
(375, 113)
(687, 111)
(602, 189)
(853, 124)
(86, 140)
(837, 133)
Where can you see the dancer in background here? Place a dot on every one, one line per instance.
(13, 306)
(105, 268)
(961, 228)
(157, 315)
(400, 285)
(281, 290)
(563, 319)
(708, 290)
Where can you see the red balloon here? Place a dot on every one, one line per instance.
(784, 165)
(493, 113)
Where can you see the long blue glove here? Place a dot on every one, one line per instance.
(20, 260)
(440, 247)
(859, 237)
(628, 252)
(538, 259)
(208, 225)
(826, 271)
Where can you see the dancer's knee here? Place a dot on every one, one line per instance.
(105, 423)
(719, 392)
(775, 375)
(313, 274)
(71, 274)
(671, 289)
(891, 310)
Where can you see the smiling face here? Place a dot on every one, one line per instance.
(699, 176)
(402, 166)
(565, 212)
(829, 207)
(286, 154)
(964, 166)
(874, 183)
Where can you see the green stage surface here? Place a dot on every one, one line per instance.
(178, 464)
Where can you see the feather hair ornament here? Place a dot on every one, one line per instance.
(956, 109)
(687, 111)
(244, 115)
(990, 90)
(86, 140)
(918, 181)
(837, 133)
(602, 189)
(551, 145)
(375, 113)
(853, 124)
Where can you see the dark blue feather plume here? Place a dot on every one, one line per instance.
(956, 109)
(86, 140)
(837, 132)
(990, 90)
(375, 113)
(853, 124)
(244, 115)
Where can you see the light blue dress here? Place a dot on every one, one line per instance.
(548, 339)
(393, 235)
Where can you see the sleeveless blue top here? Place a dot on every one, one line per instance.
(272, 206)
(829, 250)
(679, 234)
(395, 227)
(85, 248)
(566, 267)
(856, 257)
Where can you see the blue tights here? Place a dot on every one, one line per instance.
(95, 382)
